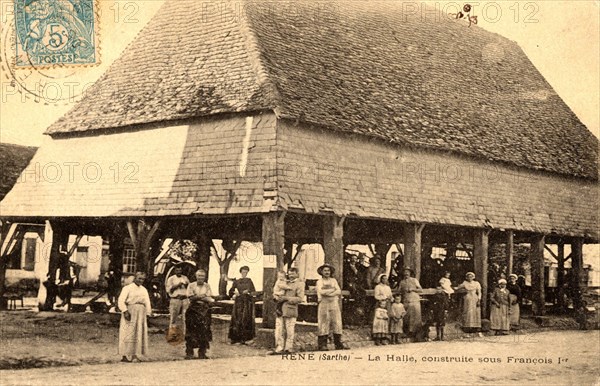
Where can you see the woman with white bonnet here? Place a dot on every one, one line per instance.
(471, 303)
(500, 313)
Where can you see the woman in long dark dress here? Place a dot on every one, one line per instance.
(197, 317)
(515, 301)
(242, 328)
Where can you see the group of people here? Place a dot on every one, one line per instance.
(396, 313)
(505, 303)
(394, 316)
(288, 292)
(62, 286)
(189, 299)
(400, 314)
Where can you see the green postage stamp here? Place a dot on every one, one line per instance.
(55, 32)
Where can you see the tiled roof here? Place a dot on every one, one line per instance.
(179, 170)
(13, 159)
(369, 68)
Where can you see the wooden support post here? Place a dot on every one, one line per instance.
(60, 239)
(480, 257)
(537, 275)
(333, 244)
(576, 266)
(204, 248)
(116, 247)
(273, 238)
(143, 236)
(412, 248)
(4, 228)
(560, 280)
(510, 250)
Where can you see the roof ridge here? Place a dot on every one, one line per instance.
(263, 76)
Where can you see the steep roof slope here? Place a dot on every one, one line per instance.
(13, 160)
(358, 67)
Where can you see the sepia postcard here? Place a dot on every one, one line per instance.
(302, 192)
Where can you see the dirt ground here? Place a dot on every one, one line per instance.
(561, 358)
(31, 339)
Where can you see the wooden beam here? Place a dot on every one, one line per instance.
(142, 238)
(480, 256)
(60, 238)
(400, 251)
(537, 274)
(333, 244)
(4, 230)
(205, 244)
(412, 247)
(74, 246)
(273, 239)
(132, 234)
(576, 269)
(547, 248)
(560, 280)
(510, 250)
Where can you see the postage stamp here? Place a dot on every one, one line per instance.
(55, 32)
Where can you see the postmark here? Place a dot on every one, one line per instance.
(55, 33)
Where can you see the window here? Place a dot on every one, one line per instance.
(438, 253)
(129, 260)
(462, 254)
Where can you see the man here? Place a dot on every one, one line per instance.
(286, 323)
(198, 332)
(66, 282)
(112, 287)
(177, 288)
(134, 301)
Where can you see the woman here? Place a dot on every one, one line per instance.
(515, 301)
(499, 316)
(410, 288)
(374, 271)
(329, 294)
(197, 317)
(383, 292)
(242, 327)
(471, 303)
(133, 330)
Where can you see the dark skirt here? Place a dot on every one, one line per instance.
(197, 325)
(242, 327)
(439, 306)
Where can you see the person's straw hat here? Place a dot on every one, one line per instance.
(320, 269)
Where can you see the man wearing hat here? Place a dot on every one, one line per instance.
(176, 287)
(329, 314)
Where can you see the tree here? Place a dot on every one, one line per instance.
(231, 247)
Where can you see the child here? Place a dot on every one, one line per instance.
(281, 285)
(383, 292)
(380, 324)
(446, 284)
(397, 312)
(440, 306)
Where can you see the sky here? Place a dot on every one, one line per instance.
(561, 38)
